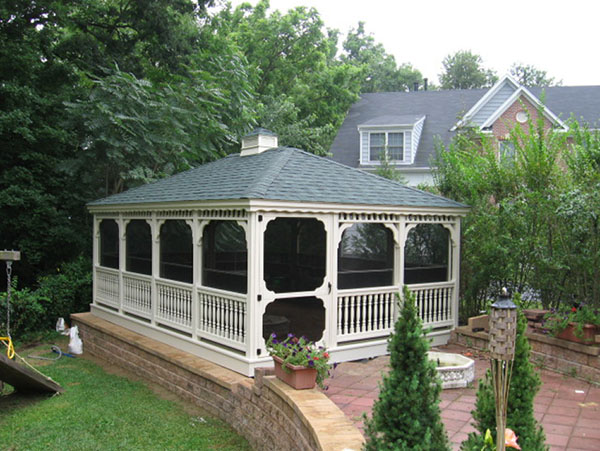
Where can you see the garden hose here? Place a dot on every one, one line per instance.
(55, 349)
(10, 349)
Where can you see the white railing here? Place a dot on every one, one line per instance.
(365, 313)
(107, 286)
(137, 294)
(222, 318)
(434, 302)
(174, 306)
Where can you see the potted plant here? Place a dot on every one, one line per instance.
(577, 323)
(299, 362)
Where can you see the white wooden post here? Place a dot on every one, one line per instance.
(330, 223)
(122, 225)
(196, 252)
(255, 241)
(155, 227)
(95, 258)
(455, 244)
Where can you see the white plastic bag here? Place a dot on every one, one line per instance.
(60, 325)
(75, 343)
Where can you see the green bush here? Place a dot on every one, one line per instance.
(406, 416)
(27, 312)
(533, 224)
(68, 291)
(524, 384)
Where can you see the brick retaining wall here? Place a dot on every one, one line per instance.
(268, 413)
(574, 359)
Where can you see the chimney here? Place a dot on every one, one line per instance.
(257, 141)
(416, 86)
(425, 84)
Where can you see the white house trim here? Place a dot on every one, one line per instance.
(483, 100)
(522, 91)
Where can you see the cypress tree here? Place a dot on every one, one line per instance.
(406, 416)
(524, 385)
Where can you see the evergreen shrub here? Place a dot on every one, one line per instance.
(406, 416)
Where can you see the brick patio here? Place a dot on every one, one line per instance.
(568, 408)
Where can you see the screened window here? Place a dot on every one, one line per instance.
(390, 144)
(225, 256)
(176, 251)
(139, 247)
(426, 254)
(366, 257)
(295, 254)
(109, 243)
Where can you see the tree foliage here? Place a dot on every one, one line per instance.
(529, 75)
(378, 70)
(464, 70)
(406, 416)
(41, 207)
(302, 89)
(533, 224)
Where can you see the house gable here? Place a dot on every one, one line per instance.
(518, 113)
(504, 95)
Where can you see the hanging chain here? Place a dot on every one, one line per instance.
(8, 287)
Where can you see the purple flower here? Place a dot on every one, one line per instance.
(311, 363)
(290, 335)
(273, 335)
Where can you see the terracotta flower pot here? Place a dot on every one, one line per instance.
(298, 377)
(589, 333)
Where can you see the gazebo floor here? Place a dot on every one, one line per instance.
(568, 408)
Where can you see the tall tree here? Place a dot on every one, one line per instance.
(464, 70)
(162, 96)
(379, 70)
(148, 38)
(40, 206)
(97, 96)
(295, 70)
(528, 75)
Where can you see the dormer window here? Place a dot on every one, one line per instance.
(394, 137)
(390, 144)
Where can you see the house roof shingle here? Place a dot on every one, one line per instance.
(284, 174)
(443, 109)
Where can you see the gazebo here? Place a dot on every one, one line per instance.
(274, 240)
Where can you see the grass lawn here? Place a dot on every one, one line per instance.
(104, 411)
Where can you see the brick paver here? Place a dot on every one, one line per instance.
(568, 408)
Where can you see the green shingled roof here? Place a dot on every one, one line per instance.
(282, 173)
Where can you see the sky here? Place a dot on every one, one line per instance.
(560, 37)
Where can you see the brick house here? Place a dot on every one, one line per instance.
(407, 125)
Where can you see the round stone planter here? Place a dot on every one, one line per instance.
(298, 377)
(455, 370)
